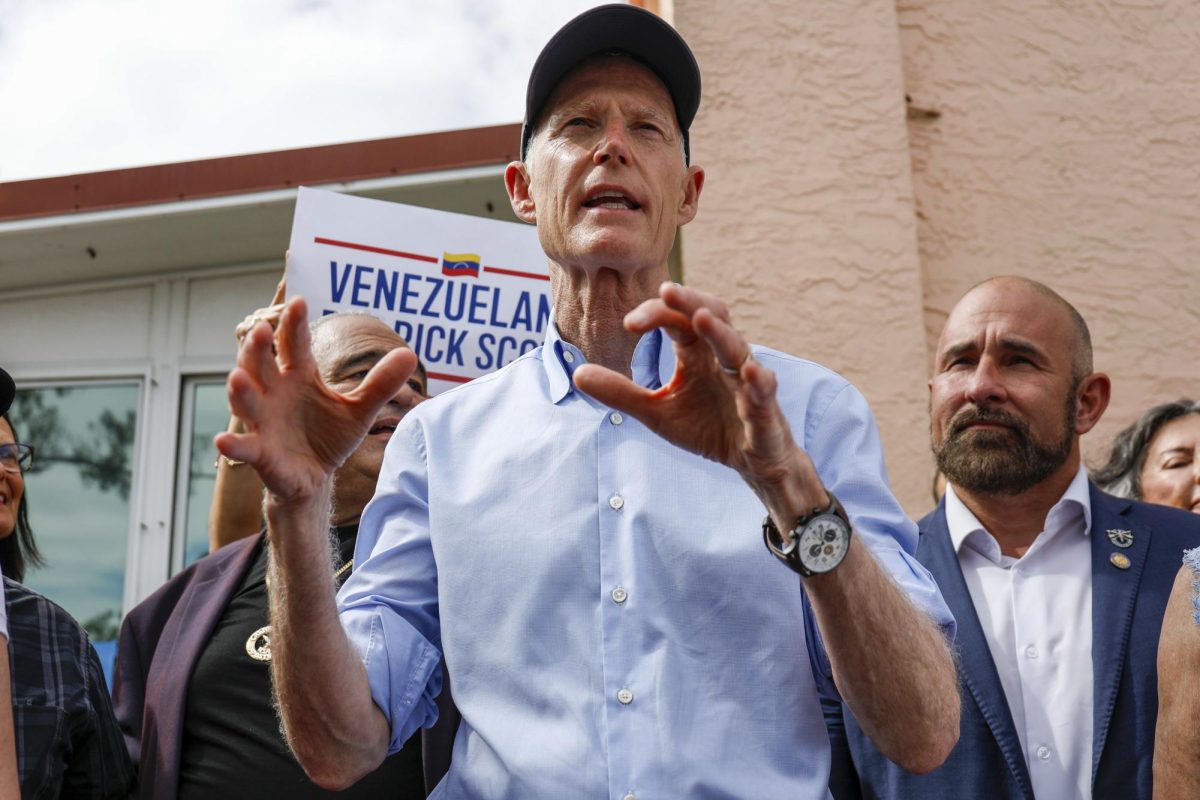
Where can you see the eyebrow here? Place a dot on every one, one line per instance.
(591, 105)
(357, 361)
(1007, 345)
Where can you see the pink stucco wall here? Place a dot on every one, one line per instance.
(1052, 140)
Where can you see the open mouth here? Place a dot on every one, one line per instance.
(385, 427)
(611, 199)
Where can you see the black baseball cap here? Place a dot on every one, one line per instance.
(616, 28)
(8, 390)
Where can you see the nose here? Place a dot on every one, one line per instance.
(406, 399)
(985, 386)
(614, 145)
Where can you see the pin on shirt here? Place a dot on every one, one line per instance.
(1120, 561)
(1120, 538)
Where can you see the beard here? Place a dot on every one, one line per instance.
(1004, 462)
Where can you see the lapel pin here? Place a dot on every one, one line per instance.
(1119, 560)
(1120, 538)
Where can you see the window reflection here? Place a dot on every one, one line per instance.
(78, 495)
(206, 413)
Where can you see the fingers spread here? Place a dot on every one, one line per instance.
(245, 397)
(256, 358)
(294, 342)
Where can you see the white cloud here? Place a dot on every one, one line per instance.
(88, 85)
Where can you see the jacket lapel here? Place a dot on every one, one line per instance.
(183, 638)
(1114, 595)
(976, 667)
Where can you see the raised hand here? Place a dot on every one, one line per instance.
(269, 314)
(297, 430)
(720, 403)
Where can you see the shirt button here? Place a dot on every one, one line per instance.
(1043, 753)
(1031, 652)
(568, 357)
(616, 501)
(619, 595)
(624, 697)
(616, 419)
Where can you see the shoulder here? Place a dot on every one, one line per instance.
(521, 380)
(1174, 525)
(41, 630)
(800, 373)
(935, 519)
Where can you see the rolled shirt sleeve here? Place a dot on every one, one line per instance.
(842, 439)
(388, 607)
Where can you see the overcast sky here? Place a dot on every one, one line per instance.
(89, 85)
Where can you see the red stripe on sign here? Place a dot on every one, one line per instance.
(516, 273)
(442, 376)
(368, 248)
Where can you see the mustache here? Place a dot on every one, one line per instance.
(974, 416)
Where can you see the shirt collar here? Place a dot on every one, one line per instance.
(652, 364)
(1076, 500)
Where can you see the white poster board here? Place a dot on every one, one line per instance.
(468, 294)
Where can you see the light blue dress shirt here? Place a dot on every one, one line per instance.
(613, 625)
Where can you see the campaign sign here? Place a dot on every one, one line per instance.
(468, 294)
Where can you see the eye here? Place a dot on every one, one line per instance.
(959, 362)
(1176, 462)
(416, 387)
(577, 122)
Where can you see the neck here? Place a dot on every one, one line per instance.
(1015, 521)
(590, 307)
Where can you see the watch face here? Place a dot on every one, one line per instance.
(824, 543)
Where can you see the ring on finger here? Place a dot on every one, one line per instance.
(735, 371)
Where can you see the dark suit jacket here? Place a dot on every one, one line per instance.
(160, 641)
(162, 638)
(1127, 613)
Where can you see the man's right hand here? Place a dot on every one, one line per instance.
(298, 431)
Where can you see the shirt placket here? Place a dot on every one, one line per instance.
(1033, 666)
(625, 697)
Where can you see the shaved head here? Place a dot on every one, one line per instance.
(1081, 339)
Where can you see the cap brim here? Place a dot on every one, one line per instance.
(8, 390)
(623, 28)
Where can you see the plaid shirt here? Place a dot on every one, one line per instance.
(68, 743)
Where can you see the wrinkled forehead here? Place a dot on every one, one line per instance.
(609, 74)
(1008, 312)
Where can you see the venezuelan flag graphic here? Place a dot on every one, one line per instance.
(460, 265)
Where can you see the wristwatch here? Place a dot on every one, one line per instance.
(816, 544)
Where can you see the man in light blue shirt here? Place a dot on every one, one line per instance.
(579, 534)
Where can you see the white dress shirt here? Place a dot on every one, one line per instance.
(1036, 613)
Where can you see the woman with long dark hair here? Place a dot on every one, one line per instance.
(18, 550)
(65, 732)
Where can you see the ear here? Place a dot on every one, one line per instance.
(694, 182)
(1091, 400)
(516, 181)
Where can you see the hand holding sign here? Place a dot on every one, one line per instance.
(720, 403)
(298, 431)
(269, 314)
